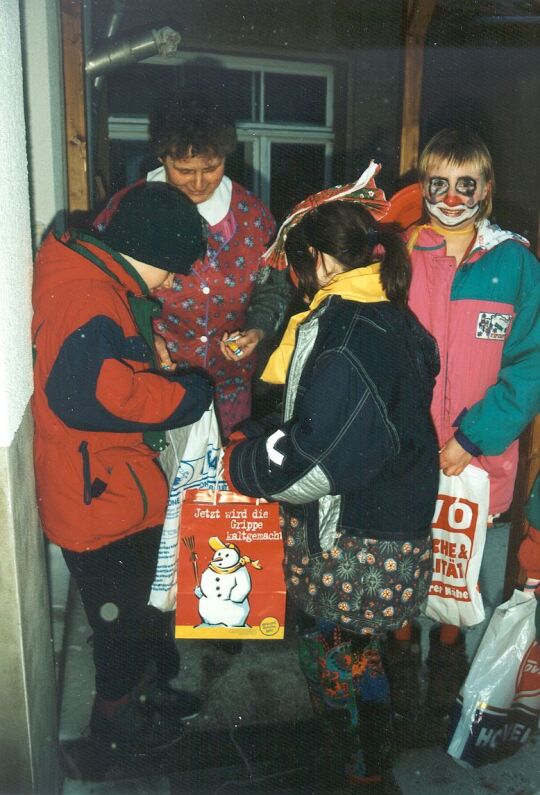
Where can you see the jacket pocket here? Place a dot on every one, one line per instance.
(119, 489)
(91, 488)
(140, 489)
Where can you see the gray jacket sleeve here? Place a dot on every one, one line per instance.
(270, 300)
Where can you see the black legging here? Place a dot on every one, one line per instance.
(114, 582)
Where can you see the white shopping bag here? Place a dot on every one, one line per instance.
(191, 461)
(499, 704)
(458, 533)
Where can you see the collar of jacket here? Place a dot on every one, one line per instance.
(427, 237)
(143, 307)
(361, 284)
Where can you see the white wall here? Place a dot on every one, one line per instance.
(15, 238)
(44, 111)
(44, 108)
(28, 729)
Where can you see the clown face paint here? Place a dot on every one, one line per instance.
(452, 194)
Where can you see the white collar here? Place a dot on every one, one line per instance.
(214, 209)
(490, 235)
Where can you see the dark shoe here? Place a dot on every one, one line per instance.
(136, 729)
(154, 694)
(177, 703)
(448, 667)
(402, 663)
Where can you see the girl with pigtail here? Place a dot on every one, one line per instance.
(353, 462)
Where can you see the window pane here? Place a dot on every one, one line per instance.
(297, 171)
(295, 98)
(232, 87)
(139, 88)
(239, 166)
(129, 161)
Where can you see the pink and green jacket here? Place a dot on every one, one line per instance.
(485, 317)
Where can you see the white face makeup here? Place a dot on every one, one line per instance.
(452, 194)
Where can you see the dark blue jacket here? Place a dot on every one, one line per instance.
(356, 446)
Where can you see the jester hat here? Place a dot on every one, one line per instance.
(363, 191)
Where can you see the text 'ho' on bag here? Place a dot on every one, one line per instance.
(230, 577)
(458, 533)
(191, 460)
(499, 704)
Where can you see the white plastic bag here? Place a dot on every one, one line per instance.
(458, 533)
(191, 461)
(499, 704)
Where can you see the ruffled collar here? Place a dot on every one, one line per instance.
(214, 209)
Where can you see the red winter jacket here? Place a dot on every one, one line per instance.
(98, 404)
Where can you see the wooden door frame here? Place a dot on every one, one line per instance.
(71, 12)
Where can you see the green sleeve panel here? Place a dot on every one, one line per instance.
(512, 402)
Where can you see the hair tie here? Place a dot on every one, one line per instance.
(373, 238)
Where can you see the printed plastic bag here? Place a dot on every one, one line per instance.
(499, 704)
(191, 460)
(458, 533)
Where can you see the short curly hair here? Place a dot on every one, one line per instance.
(190, 125)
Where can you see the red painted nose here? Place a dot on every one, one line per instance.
(452, 200)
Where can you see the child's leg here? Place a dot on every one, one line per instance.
(403, 663)
(448, 666)
(350, 698)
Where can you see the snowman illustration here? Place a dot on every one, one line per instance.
(225, 586)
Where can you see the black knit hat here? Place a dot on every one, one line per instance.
(157, 224)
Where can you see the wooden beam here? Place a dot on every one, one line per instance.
(75, 109)
(419, 13)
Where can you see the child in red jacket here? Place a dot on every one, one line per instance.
(101, 407)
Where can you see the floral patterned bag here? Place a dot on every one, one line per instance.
(364, 585)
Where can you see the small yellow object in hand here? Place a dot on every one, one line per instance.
(233, 347)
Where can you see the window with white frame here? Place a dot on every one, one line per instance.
(283, 112)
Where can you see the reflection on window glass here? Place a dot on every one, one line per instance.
(297, 170)
(295, 98)
(232, 87)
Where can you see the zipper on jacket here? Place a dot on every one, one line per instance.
(444, 362)
(140, 487)
(87, 478)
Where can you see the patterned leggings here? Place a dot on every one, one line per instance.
(350, 697)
